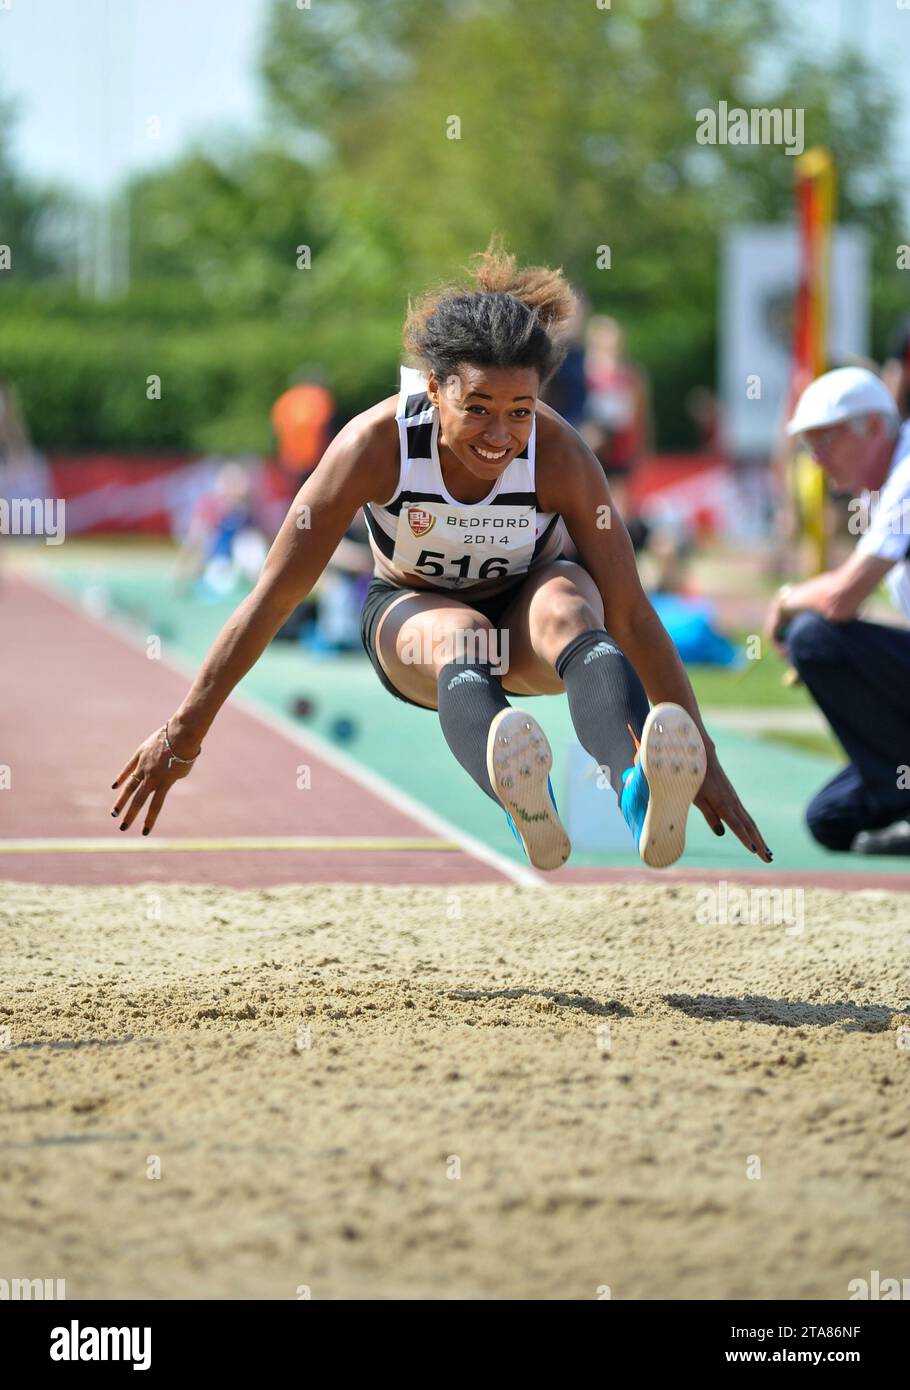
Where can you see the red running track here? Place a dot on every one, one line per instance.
(77, 698)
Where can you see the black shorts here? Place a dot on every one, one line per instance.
(381, 593)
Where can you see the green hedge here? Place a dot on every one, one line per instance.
(81, 371)
(81, 367)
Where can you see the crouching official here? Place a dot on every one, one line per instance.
(857, 672)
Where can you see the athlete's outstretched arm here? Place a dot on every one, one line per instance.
(359, 465)
(572, 482)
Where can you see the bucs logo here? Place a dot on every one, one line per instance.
(420, 522)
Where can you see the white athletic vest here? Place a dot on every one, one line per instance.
(422, 532)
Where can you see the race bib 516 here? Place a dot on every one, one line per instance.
(452, 546)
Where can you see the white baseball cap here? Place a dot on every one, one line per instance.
(843, 394)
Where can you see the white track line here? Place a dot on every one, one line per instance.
(322, 843)
(313, 743)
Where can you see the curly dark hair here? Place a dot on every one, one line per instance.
(505, 317)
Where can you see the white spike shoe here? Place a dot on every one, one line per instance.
(519, 759)
(669, 769)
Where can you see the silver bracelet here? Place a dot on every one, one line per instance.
(174, 758)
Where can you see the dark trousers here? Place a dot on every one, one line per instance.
(859, 676)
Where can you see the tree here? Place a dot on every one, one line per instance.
(568, 128)
(31, 218)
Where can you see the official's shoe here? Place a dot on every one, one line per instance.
(894, 839)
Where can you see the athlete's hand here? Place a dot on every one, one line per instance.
(150, 772)
(718, 802)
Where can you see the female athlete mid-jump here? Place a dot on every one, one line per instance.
(469, 485)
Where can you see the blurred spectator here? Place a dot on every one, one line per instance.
(617, 416)
(617, 421)
(23, 470)
(15, 445)
(341, 591)
(567, 390)
(704, 409)
(24, 473)
(226, 544)
(896, 371)
(233, 524)
(304, 421)
(302, 418)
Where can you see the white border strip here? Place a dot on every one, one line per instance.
(323, 843)
(313, 743)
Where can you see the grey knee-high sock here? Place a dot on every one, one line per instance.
(605, 697)
(468, 698)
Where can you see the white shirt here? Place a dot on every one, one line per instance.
(888, 533)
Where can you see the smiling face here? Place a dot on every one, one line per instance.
(485, 415)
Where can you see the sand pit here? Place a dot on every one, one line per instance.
(482, 1093)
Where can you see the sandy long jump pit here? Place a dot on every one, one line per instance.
(497, 1092)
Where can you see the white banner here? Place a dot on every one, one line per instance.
(757, 295)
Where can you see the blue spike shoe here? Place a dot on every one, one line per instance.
(519, 760)
(663, 781)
